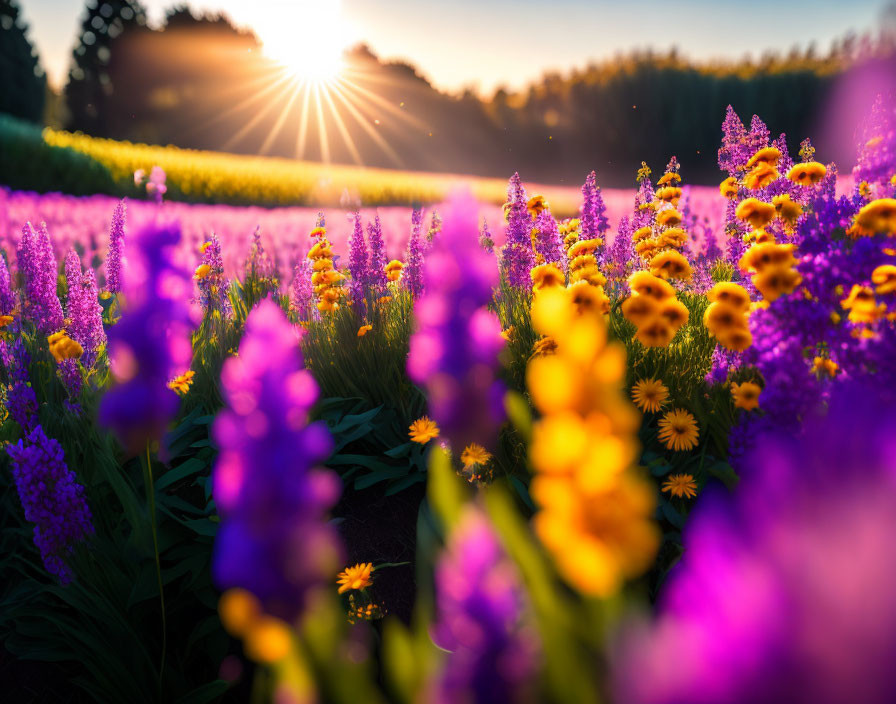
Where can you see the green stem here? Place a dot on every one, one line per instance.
(151, 501)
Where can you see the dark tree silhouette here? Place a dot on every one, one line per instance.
(22, 80)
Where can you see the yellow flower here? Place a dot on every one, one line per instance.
(656, 333)
(730, 293)
(204, 246)
(878, 216)
(722, 316)
(807, 174)
(320, 250)
(393, 270)
(646, 284)
(736, 339)
(181, 384)
(668, 218)
(588, 297)
(318, 232)
(746, 395)
(760, 176)
(862, 306)
(475, 454)
(760, 256)
(238, 610)
(776, 280)
(536, 204)
(63, 347)
(668, 178)
(364, 329)
(357, 577)
(5, 320)
(766, 155)
(674, 313)
(268, 640)
(508, 333)
(547, 275)
(423, 430)
(681, 486)
(670, 265)
(678, 430)
(202, 271)
(728, 187)
(584, 247)
(649, 395)
(640, 309)
(788, 210)
(883, 276)
(674, 237)
(755, 212)
(642, 233)
(865, 189)
(826, 366)
(544, 347)
(669, 194)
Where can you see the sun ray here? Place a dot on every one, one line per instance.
(302, 136)
(340, 125)
(284, 113)
(385, 104)
(244, 130)
(365, 125)
(321, 127)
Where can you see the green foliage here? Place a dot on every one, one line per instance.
(21, 76)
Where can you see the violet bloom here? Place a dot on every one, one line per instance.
(485, 238)
(358, 262)
(258, 264)
(784, 592)
(376, 272)
(52, 499)
(274, 539)
(21, 401)
(480, 619)
(150, 345)
(213, 286)
(594, 218)
(115, 256)
(454, 351)
(412, 275)
(7, 297)
(37, 264)
(83, 309)
(734, 152)
(517, 257)
(301, 292)
(548, 242)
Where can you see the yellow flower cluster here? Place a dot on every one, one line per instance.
(726, 316)
(773, 267)
(762, 168)
(181, 384)
(393, 270)
(569, 230)
(594, 511)
(583, 263)
(326, 280)
(63, 347)
(807, 174)
(654, 309)
(875, 217)
(863, 306)
(535, 205)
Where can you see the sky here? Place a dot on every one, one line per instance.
(483, 44)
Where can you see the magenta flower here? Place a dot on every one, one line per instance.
(37, 264)
(115, 257)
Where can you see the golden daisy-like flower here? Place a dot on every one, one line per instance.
(825, 365)
(674, 237)
(884, 277)
(678, 430)
(669, 217)
(646, 284)
(655, 333)
(204, 246)
(364, 329)
(63, 347)
(320, 250)
(807, 174)
(639, 309)
(767, 254)
(728, 187)
(356, 577)
(671, 265)
(181, 384)
(681, 486)
(735, 339)
(536, 204)
(423, 430)
(760, 176)
(766, 155)
(508, 333)
(788, 210)
(588, 274)
(649, 395)
(755, 212)
(201, 272)
(544, 347)
(393, 270)
(268, 640)
(669, 194)
(642, 233)
(776, 280)
(731, 293)
(865, 189)
(546, 275)
(5, 320)
(584, 247)
(322, 264)
(587, 297)
(862, 306)
(759, 237)
(878, 216)
(746, 395)
(674, 312)
(318, 232)
(670, 177)
(722, 316)
(475, 453)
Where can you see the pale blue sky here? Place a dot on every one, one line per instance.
(484, 43)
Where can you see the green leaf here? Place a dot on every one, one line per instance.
(182, 471)
(725, 474)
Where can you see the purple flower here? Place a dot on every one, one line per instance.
(37, 264)
(480, 619)
(114, 258)
(213, 286)
(358, 262)
(52, 499)
(785, 592)
(258, 264)
(301, 292)
(151, 343)
(485, 238)
(877, 147)
(517, 257)
(376, 273)
(7, 297)
(594, 218)
(548, 242)
(21, 401)
(83, 310)
(454, 351)
(412, 275)
(274, 540)
(734, 152)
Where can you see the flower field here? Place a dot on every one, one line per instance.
(467, 453)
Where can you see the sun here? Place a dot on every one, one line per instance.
(306, 36)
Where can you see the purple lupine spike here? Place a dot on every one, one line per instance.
(258, 263)
(273, 540)
(517, 257)
(785, 163)
(759, 135)
(454, 351)
(548, 242)
(213, 286)
(301, 292)
(73, 284)
(435, 227)
(594, 218)
(481, 620)
(52, 499)
(733, 152)
(37, 263)
(115, 256)
(358, 261)
(83, 312)
(412, 275)
(21, 401)
(7, 297)
(376, 272)
(151, 342)
(485, 238)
